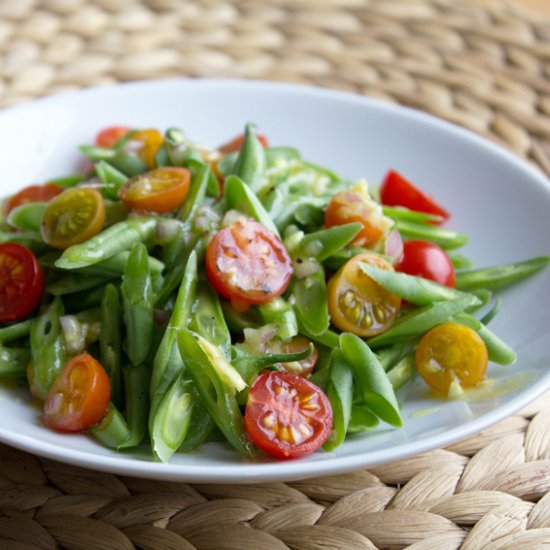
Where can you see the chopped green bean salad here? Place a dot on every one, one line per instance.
(174, 294)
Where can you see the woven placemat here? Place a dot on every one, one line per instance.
(482, 64)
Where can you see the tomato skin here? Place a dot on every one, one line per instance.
(451, 351)
(276, 419)
(109, 136)
(21, 282)
(236, 143)
(159, 191)
(355, 205)
(34, 193)
(428, 260)
(79, 396)
(248, 264)
(73, 217)
(356, 303)
(304, 367)
(151, 140)
(398, 191)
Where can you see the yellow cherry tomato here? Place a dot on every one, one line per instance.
(73, 217)
(152, 140)
(357, 303)
(450, 352)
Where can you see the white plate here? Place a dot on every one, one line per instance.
(500, 201)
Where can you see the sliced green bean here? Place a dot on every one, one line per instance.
(138, 305)
(362, 419)
(108, 243)
(310, 294)
(280, 313)
(371, 379)
(83, 300)
(111, 178)
(340, 394)
(250, 164)
(390, 356)
(112, 431)
(15, 331)
(13, 361)
(197, 193)
(68, 181)
(490, 315)
(117, 264)
(459, 261)
(328, 338)
(27, 217)
(402, 372)
(500, 276)
(77, 282)
(277, 155)
(402, 213)
(202, 425)
(445, 238)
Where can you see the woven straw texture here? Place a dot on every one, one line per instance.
(482, 64)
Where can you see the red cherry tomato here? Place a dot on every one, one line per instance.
(397, 191)
(248, 264)
(79, 397)
(287, 416)
(425, 259)
(109, 136)
(21, 282)
(34, 193)
(237, 142)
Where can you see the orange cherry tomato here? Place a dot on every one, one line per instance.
(109, 136)
(355, 205)
(357, 303)
(73, 217)
(79, 396)
(248, 264)
(34, 193)
(286, 415)
(21, 282)
(237, 142)
(152, 140)
(298, 343)
(450, 352)
(159, 191)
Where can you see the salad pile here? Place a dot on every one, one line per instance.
(176, 294)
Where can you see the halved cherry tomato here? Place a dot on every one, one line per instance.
(73, 217)
(298, 343)
(450, 352)
(109, 136)
(428, 260)
(286, 415)
(248, 264)
(152, 140)
(34, 193)
(398, 191)
(79, 396)
(161, 190)
(358, 304)
(237, 142)
(355, 205)
(21, 282)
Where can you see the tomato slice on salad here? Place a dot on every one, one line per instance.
(428, 260)
(398, 191)
(356, 303)
(158, 191)
(236, 143)
(109, 136)
(298, 343)
(21, 282)
(356, 205)
(73, 217)
(247, 263)
(151, 141)
(79, 396)
(286, 415)
(451, 352)
(34, 193)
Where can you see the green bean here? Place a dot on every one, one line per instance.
(108, 243)
(250, 164)
(211, 379)
(117, 264)
(402, 372)
(338, 259)
(372, 382)
(128, 163)
(490, 315)
(276, 155)
(77, 282)
(402, 213)
(498, 351)
(237, 321)
(280, 313)
(115, 212)
(459, 261)
(226, 164)
(201, 426)
(311, 303)
(239, 196)
(340, 394)
(197, 193)
(173, 418)
(500, 276)
(83, 300)
(112, 179)
(27, 217)
(390, 356)
(112, 431)
(484, 297)
(138, 305)
(445, 238)
(328, 338)
(13, 361)
(68, 181)
(47, 349)
(417, 322)
(362, 419)
(416, 290)
(29, 239)
(110, 340)
(15, 331)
